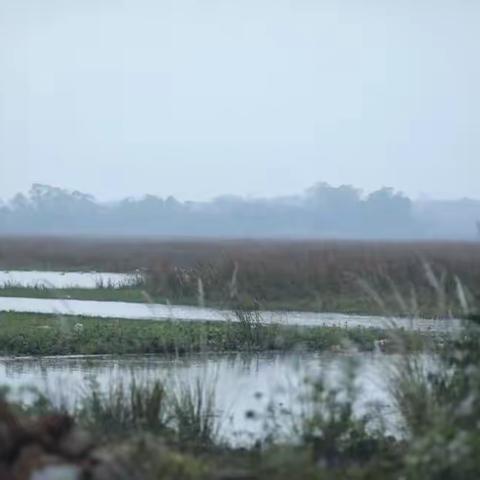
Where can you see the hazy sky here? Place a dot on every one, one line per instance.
(254, 97)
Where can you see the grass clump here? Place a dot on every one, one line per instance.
(194, 414)
(440, 408)
(138, 407)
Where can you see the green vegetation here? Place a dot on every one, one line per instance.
(37, 334)
(174, 436)
(138, 407)
(126, 294)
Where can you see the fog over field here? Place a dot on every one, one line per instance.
(322, 211)
(263, 119)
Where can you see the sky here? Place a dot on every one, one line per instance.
(198, 98)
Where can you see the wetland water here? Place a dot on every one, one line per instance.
(242, 382)
(151, 311)
(52, 280)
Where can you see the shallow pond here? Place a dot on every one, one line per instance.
(242, 383)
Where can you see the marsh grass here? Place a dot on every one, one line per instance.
(328, 425)
(419, 278)
(251, 327)
(440, 407)
(184, 413)
(195, 416)
(139, 406)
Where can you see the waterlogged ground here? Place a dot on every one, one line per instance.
(242, 382)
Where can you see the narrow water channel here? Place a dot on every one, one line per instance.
(150, 311)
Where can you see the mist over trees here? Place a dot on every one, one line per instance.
(321, 211)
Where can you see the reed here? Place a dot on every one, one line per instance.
(303, 275)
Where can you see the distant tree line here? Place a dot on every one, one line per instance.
(321, 211)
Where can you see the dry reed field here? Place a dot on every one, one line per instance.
(376, 277)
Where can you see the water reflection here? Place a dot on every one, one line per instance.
(242, 382)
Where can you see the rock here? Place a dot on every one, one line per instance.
(52, 448)
(75, 444)
(48, 430)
